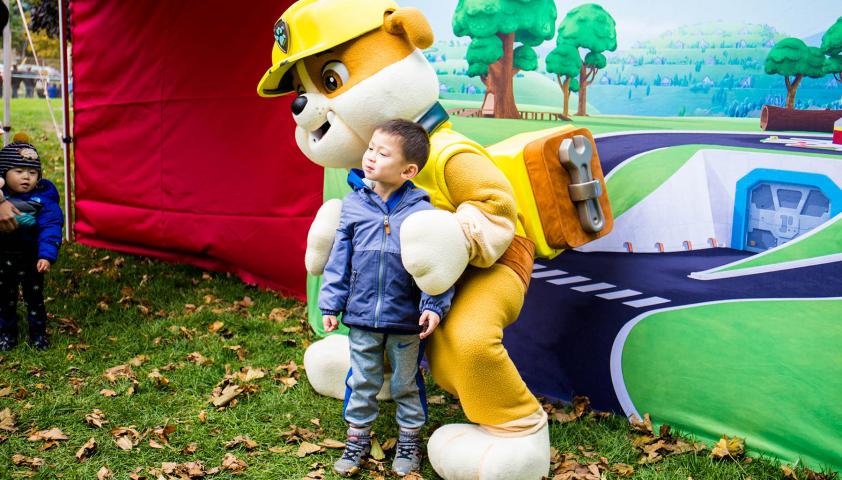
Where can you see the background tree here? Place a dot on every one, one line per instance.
(494, 27)
(565, 63)
(793, 59)
(832, 47)
(592, 28)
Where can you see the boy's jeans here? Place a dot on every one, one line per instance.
(366, 378)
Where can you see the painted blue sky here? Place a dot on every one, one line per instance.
(636, 23)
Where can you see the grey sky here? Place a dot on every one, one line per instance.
(641, 20)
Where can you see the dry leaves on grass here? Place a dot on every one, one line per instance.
(104, 473)
(804, 474)
(249, 374)
(331, 443)
(96, 418)
(138, 360)
(120, 371)
(242, 440)
(105, 392)
(655, 447)
(163, 433)
(232, 463)
(224, 396)
(7, 420)
(86, 450)
(190, 449)
(239, 350)
(728, 448)
(158, 379)
(569, 466)
(126, 437)
(580, 406)
(199, 359)
(30, 462)
(186, 470)
(307, 448)
(50, 437)
(297, 435)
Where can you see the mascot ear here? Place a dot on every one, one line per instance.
(411, 22)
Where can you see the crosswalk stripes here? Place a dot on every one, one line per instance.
(568, 280)
(559, 277)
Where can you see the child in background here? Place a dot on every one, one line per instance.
(365, 280)
(27, 252)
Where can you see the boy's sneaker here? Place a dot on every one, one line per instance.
(356, 450)
(8, 342)
(39, 342)
(407, 453)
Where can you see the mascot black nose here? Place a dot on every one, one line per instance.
(298, 104)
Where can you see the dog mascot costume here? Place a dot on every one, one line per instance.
(354, 64)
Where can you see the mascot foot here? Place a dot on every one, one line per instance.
(327, 363)
(464, 451)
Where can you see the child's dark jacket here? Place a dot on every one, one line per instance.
(364, 278)
(44, 236)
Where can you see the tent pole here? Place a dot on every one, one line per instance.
(7, 78)
(67, 139)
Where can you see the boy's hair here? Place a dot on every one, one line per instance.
(415, 144)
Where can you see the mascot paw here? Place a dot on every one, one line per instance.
(321, 235)
(433, 249)
(462, 452)
(327, 362)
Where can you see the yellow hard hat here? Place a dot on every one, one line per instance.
(308, 27)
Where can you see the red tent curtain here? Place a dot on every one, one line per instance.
(175, 154)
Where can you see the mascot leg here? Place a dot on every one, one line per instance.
(468, 359)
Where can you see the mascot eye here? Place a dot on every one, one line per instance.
(334, 75)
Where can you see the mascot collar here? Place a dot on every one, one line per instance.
(433, 118)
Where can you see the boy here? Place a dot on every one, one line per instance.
(365, 280)
(27, 252)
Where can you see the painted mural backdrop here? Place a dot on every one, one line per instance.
(670, 58)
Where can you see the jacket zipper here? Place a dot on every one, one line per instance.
(386, 231)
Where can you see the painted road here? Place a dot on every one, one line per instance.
(578, 302)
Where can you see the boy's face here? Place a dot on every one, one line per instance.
(383, 160)
(21, 180)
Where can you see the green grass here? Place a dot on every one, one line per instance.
(86, 280)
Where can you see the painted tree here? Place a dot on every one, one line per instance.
(495, 26)
(592, 28)
(793, 59)
(565, 63)
(832, 47)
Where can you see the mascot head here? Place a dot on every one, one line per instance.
(352, 64)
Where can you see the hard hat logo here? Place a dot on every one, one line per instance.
(282, 35)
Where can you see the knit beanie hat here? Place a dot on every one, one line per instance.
(19, 153)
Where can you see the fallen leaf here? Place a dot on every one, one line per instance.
(376, 449)
(7, 420)
(159, 380)
(86, 450)
(232, 463)
(103, 473)
(46, 435)
(138, 360)
(243, 440)
(96, 418)
(248, 374)
(125, 437)
(644, 426)
(199, 359)
(203, 416)
(436, 400)
(190, 449)
(154, 444)
(239, 350)
(120, 371)
(32, 462)
(315, 421)
(107, 393)
(307, 448)
(330, 443)
(728, 447)
(278, 314)
(789, 472)
(622, 470)
(227, 394)
(316, 475)
(215, 326)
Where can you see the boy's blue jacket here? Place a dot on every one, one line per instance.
(364, 278)
(42, 203)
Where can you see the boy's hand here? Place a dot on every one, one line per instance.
(330, 322)
(429, 320)
(42, 265)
